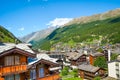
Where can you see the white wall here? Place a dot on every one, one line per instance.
(112, 70)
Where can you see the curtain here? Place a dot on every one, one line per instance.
(17, 60)
(9, 60)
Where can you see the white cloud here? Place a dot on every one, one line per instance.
(21, 29)
(58, 22)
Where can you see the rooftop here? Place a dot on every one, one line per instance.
(8, 46)
(74, 55)
(45, 57)
(89, 68)
(97, 54)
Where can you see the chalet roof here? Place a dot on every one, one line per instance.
(97, 54)
(74, 55)
(7, 46)
(42, 61)
(44, 57)
(89, 68)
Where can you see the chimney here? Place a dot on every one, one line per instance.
(109, 55)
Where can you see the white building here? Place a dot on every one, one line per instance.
(114, 68)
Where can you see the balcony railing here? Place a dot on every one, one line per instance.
(12, 69)
(1, 78)
(89, 74)
(51, 77)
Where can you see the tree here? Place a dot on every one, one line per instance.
(65, 71)
(97, 78)
(100, 62)
(114, 56)
(74, 72)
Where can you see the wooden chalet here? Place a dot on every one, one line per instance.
(89, 72)
(92, 57)
(105, 52)
(76, 58)
(43, 69)
(14, 61)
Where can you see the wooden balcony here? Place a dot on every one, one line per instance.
(1, 78)
(12, 69)
(51, 77)
(89, 74)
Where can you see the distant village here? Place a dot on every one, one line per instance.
(21, 62)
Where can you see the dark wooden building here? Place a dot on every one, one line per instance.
(76, 58)
(105, 52)
(92, 57)
(14, 64)
(43, 69)
(13, 61)
(90, 72)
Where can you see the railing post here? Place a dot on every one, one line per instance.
(0, 71)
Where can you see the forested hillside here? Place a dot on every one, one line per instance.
(105, 31)
(6, 36)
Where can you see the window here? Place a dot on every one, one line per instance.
(12, 77)
(41, 72)
(9, 77)
(17, 60)
(12, 60)
(33, 74)
(9, 60)
(17, 77)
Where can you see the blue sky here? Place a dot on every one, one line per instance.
(22, 17)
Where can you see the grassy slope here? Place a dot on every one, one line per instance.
(6, 36)
(109, 30)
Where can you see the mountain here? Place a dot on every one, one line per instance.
(103, 28)
(35, 36)
(103, 16)
(6, 36)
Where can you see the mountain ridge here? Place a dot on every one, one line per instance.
(38, 35)
(86, 31)
(100, 16)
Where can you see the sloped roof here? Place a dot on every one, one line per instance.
(7, 46)
(44, 57)
(74, 55)
(88, 68)
(97, 54)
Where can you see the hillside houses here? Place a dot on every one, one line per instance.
(20, 62)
